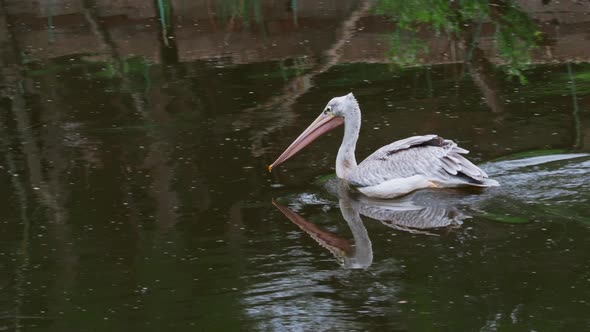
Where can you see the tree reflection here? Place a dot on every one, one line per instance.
(298, 86)
(516, 35)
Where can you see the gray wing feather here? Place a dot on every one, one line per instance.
(429, 155)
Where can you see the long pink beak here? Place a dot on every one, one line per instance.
(320, 126)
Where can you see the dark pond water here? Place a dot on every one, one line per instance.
(135, 140)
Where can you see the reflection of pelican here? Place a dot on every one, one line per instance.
(411, 217)
(407, 215)
(351, 255)
(395, 169)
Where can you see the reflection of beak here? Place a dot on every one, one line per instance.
(339, 247)
(320, 126)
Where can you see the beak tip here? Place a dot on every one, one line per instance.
(270, 168)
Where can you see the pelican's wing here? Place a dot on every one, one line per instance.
(436, 158)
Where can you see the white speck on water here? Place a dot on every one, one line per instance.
(277, 185)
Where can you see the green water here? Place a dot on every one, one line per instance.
(133, 155)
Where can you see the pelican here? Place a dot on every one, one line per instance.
(416, 162)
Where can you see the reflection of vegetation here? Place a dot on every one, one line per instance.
(516, 37)
(298, 67)
(323, 179)
(516, 34)
(405, 51)
(287, 69)
(507, 219)
(577, 213)
(560, 83)
(443, 15)
(242, 9)
(504, 212)
(165, 10)
(134, 68)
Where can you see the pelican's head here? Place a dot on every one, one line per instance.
(331, 117)
(342, 106)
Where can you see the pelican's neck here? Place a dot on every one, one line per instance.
(346, 161)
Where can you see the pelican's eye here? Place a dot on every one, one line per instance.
(328, 110)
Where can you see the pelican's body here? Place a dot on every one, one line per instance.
(396, 169)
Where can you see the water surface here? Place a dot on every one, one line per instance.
(135, 140)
